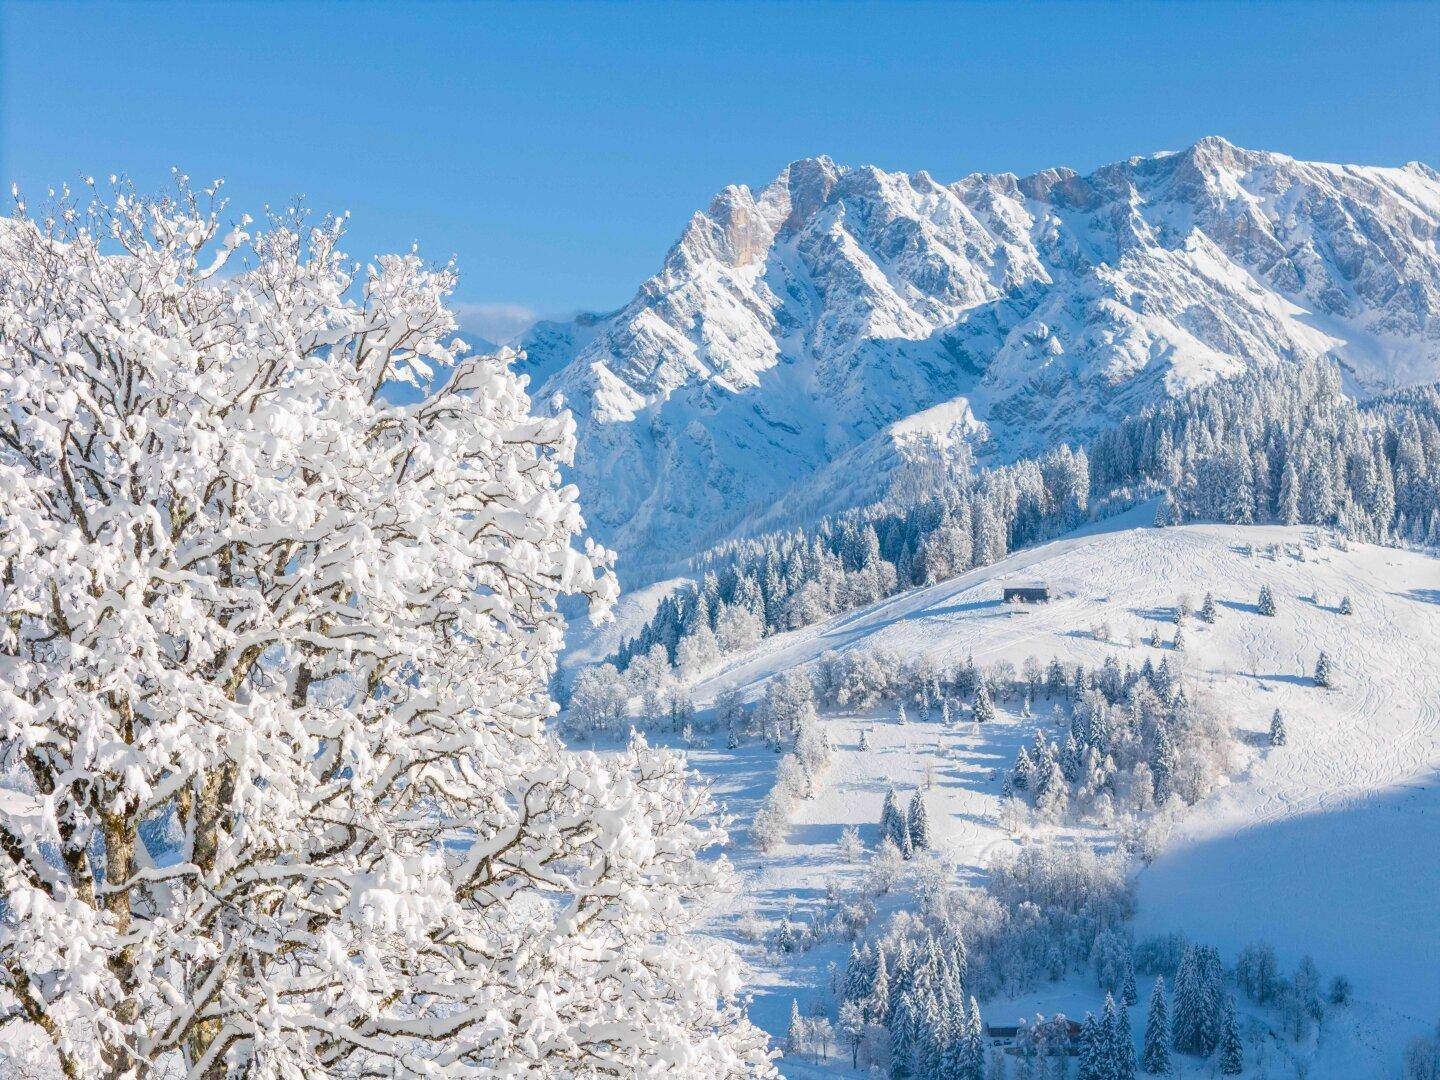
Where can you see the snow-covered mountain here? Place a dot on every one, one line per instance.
(807, 343)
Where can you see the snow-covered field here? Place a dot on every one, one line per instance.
(1327, 846)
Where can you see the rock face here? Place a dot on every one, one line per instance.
(805, 345)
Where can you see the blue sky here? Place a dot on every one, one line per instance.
(558, 149)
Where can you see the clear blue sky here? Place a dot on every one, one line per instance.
(559, 149)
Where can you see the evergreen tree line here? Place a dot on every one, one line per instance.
(1281, 444)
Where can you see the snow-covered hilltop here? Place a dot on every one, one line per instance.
(1321, 847)
(806, 344)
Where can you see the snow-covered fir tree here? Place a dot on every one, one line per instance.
(1197, 1004)
(1155, 1054)
(894, 823)
(1129, 995)
(917, 823)
(1278, 735)
(1324, 671)
(1266, 603)
(984, 707)
(1207, 609)
(1119, 1040)
(276, 670)
(1346, 606)
(1231, 1058)
(1094, 1052)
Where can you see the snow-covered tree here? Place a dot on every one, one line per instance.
(1120, 1041)
(1232, 1060)
(1324, 671)
(599, 699)
(1094, 1051)
(1155, 1054)
(1266, 603)
(852, 1025)
(917, 823)
(275, 668)
(1207, 609)
(1278, 734)
(1346, 607)
(1197, 1010)
(894, 824)
(1340, 991)
(984, 709)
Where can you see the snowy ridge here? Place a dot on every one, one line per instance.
(1321, 847)
(797, 324)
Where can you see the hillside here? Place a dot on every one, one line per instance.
(1322, 847)
(809, 343)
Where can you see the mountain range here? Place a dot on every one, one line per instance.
(842, 332)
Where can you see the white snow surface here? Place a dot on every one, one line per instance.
(817, 319)
(1327, 846)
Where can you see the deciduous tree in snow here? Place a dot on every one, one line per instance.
(274, 670)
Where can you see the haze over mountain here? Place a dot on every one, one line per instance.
(807, 343)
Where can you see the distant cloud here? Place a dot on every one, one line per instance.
(498, 321)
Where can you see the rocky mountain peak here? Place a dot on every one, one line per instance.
(791, 332)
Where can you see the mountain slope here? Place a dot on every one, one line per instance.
(843, 321)
(1319, 847)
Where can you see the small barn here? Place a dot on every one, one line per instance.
(1027, 592)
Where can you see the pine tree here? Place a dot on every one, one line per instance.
(878, 1004)
(1179, 643)
(891, 820)
(900, 714)
(1192, 1004)
(1122, 1041)
(1207, 609)
(984, 710)
(1277, 729)
(974, 1058)
(1128, 994)
(1232, 1062)
(904, 1035)
(1266, 604)
(1324, 671)
(1093, 1063)
(945, 712)
(1163, 764)
(1346, 607)
(1155, 1056)
(918, 823)
(865, 739)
